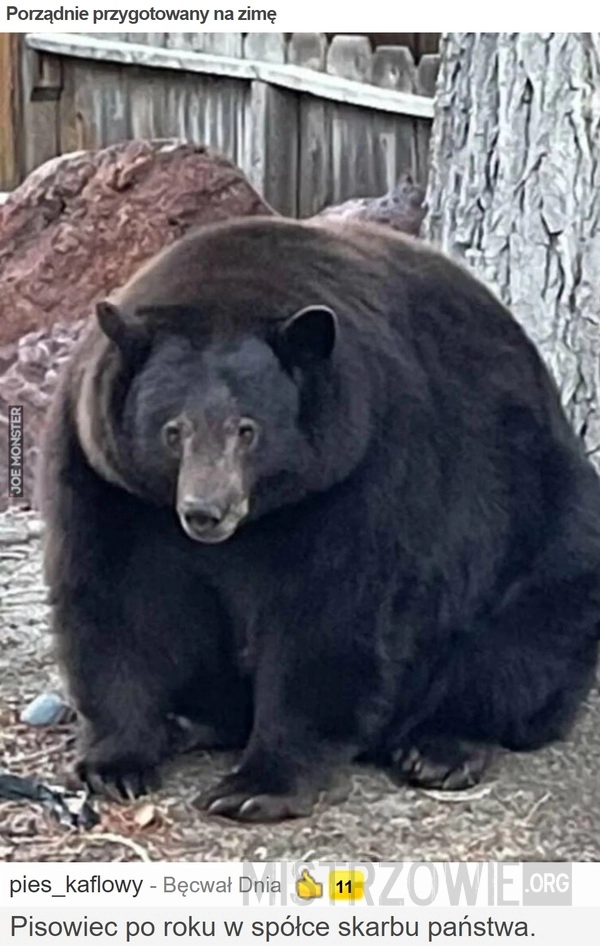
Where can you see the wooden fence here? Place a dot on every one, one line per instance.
(311, 119)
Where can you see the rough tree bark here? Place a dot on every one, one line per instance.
(514, 191)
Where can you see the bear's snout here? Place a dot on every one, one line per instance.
(202, 517)
(211, 520)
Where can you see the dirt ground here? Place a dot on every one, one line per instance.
(539, 806)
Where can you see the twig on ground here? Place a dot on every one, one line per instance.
(535, 807)
(141, 852)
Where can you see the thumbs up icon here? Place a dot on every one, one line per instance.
(307, 888)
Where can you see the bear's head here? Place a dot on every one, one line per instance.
(224, 426)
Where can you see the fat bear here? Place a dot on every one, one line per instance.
(311, 486)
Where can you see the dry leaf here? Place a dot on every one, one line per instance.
(145, 815)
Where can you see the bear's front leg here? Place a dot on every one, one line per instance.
(115, 670)
(319, 695)
(124, 730)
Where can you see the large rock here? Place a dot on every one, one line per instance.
(79, 226)
(82, 224)
(402, 208)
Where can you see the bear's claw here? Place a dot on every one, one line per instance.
(119, 780)
(230, 799)
(440, 764)
(126, 787)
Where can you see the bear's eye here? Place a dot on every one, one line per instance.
(247, 431)
(172, 435)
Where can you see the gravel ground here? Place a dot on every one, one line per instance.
(539, 806)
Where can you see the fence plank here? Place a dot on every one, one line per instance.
(41, 85)
(215, 114)
(70, 136)
(146, 92)
(201, 110)
(365, 153)
(95, 108)
(314, 156)
(397, 149)
(350, 57)
(394, 68)
(270, 160)
(265, 47)
(427, 74)
(308, 50)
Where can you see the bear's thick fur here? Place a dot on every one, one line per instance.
(310, 485)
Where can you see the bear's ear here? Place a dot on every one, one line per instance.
(129, 337)
(309, 335)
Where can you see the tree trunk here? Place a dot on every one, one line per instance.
(514, 191)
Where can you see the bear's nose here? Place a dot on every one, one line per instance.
(201, 516)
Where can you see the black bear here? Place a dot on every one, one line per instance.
(310, 485)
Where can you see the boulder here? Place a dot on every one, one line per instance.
(82, 223)
(403, 208)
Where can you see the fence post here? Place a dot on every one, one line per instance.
(11, 136)
(270, 147)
